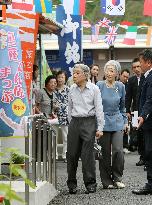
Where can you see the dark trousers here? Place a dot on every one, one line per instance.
(111, 167)
(125, 140)
(80, 142)
(148, 154)
(140, 141)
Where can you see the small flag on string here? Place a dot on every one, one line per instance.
(26, 5)
(127, 23)
(131, 34)
(148, 8)
(95, 33)
(113, 7)
(149, 36)
(75, 7)
(106, 23)
(111, 35)
(86, 24)
(43, 6)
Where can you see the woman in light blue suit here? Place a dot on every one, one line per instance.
(111, 166)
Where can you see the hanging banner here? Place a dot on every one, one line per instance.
(74, 7)
(69, 39)
(28, 27)
(113, 7)
(13, 96)
(147, 8)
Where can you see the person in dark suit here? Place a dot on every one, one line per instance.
(124, 76)
(131, 106)
(145, 117)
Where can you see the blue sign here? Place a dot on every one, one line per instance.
(13, 96)
(69, 39)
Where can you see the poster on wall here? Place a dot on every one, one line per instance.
(13, 95)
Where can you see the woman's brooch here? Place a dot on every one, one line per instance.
(116, 89)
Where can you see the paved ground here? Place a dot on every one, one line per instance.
(133, 177)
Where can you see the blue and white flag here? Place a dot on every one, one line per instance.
(113, 7)
(13, 97)
(69, 39)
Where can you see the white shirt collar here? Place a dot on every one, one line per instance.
(147, 72)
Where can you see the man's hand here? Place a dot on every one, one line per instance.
(129, 116)
(140, 122)
(98, 134)
(126, 128)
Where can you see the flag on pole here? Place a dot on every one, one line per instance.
(106, 23)
(149, 36)
(43, 6)
(113, 7)
(75, 7)
(127, 23)
(86, 24)
(131, 34)
(111, 35)
(148, 8)
(95, 33)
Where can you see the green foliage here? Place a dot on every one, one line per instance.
(17, 159)
(15, 169)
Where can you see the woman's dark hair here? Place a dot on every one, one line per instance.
(93, 66)
(50, 77)
(35, 68)
(62, 72)
(91, 77)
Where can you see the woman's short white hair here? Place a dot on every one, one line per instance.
(114, 63)
(84, 68)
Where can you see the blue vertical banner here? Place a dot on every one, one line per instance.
(13, 97)
(69, 39)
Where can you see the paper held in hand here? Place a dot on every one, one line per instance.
(135, 119)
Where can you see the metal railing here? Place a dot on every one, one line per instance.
(43, 152)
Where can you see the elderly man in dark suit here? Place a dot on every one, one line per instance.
(145, 117)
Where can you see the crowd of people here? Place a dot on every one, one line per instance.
(91, 110)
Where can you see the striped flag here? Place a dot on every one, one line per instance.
(149, 36)
(148, 8)
(111, 35)
(131, 34)
(86, 24)
(43, 6)
(75, 7)
(95, 33)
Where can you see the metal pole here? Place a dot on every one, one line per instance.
(40, 62)
(50, 155)
(81, 38)
(39, 151)
(54, 159)
(27, 162)
(34, 151)
(45, 151)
